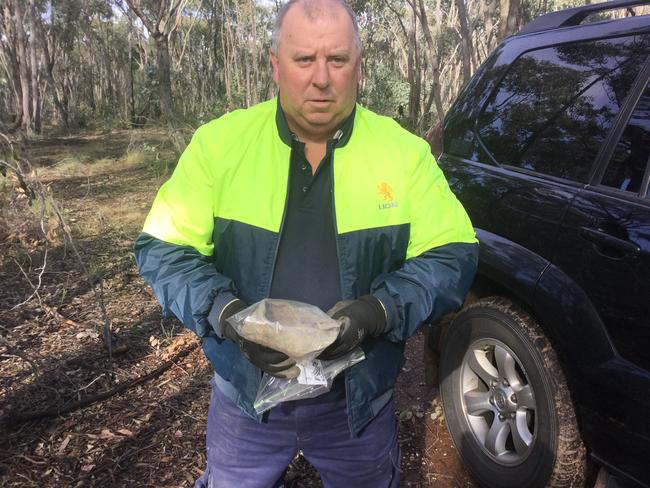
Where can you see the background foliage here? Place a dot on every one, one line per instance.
(122, 63)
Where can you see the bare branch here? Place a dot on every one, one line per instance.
(35, 189)
(137, 9)
(36, 287)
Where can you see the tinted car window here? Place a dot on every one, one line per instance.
(459, 136)
(552, 110)
(631, 156)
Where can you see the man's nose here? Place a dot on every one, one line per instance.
(321, 78)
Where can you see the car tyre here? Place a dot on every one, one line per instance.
(506, 400)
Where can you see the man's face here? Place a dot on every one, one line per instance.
(317, 68)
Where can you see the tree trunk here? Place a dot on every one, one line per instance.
(489, 10)
(466, 40)
(129, 71)
(161, 28)
(48, 61)
(11, 65)
(413, 72)
(435, 95)
(253, 53)
(21, 55)
(164, 77)
(36, 96)
(225, 56)
(508, 18)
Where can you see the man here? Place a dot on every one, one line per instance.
(311, 198)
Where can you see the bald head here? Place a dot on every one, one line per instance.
(315, 10)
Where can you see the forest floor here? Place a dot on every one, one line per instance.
(52, 356)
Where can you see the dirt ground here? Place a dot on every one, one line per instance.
(52, 357)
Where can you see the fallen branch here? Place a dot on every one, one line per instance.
(55, 411)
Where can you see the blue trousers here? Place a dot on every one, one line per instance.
(243, 453)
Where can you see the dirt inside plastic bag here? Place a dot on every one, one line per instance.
(297, 329)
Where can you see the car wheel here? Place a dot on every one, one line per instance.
(506, 400)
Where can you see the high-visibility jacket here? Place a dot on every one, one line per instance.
(214, 228)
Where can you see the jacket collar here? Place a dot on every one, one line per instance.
(342, 135)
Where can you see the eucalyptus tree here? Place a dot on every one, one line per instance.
(161, 18)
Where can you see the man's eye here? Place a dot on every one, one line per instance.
(304, 61)
(338, 61)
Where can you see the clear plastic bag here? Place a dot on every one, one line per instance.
(320, 374)
(302, 332)
(299, 330)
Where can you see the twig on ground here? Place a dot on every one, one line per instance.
(112, 463)
(55, 411)
(184, 414)
(57, 315)
(14, 352)
(91, 383)
(178, 367)
(433, 474)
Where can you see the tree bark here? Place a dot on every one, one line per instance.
(164, 78)
(508, 17)
(36, 96)
(225, 56)
(49, 60)
(466, 40)
(435, 95)
(414, 78)
(26, 121)
(11, 64)
(489, 10)
(129, 71)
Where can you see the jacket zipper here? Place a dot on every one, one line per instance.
(347, 378)
(337, 136)
(284, 216)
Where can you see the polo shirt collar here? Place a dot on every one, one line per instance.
(342, 135)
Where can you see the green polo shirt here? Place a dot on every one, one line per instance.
(307, 267)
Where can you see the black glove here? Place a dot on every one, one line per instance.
(269, 360)
(359, 319)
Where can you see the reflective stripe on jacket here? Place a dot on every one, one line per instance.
(213, 232)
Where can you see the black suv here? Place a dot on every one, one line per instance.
(546, 370)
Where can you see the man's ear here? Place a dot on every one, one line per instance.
(359, 68)
(274, 65)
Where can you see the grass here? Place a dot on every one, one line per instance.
(136, 157)
(104, 183)
(70, 166)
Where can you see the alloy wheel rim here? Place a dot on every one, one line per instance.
(498, 402)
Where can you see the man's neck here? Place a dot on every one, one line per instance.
(310, 137)
(315, 152)
(315, 143)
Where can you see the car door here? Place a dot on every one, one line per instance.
(605, 238)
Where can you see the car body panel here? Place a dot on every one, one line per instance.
(514, 267)
(510, 203)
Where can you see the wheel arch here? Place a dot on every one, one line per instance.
(556, 301)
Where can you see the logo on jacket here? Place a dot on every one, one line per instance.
(386, 193)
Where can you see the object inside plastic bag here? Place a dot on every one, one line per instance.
(313, 381)
(299, 330)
